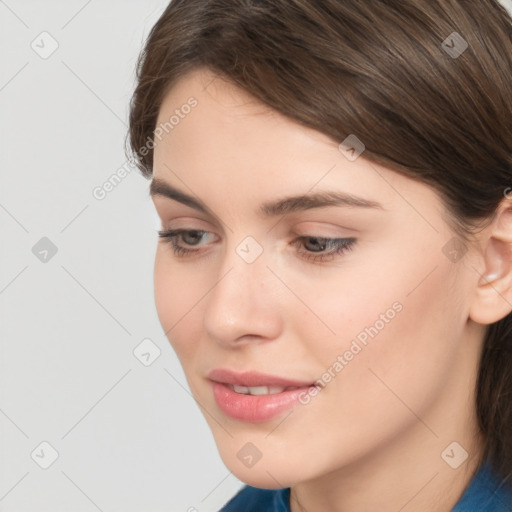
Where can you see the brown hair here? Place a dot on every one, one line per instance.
(381, 70)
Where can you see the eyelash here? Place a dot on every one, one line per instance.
(342, 245)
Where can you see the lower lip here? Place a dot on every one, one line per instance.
(254, 408)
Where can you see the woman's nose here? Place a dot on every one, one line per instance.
(243, 304)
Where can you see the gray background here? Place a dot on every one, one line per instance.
(128, 435)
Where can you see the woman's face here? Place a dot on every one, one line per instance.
(383, 324)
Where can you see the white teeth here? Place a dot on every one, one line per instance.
(273, 390)
(241, 389)
(264, 390)
(257, 390)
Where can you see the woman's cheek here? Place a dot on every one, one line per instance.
(174, 296)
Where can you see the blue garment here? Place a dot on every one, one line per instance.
(483, 494)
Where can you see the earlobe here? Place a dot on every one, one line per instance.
(489, 278)
(493, 295)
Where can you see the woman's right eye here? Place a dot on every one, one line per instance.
(171, 236)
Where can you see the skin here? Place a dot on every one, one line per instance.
(372, 439)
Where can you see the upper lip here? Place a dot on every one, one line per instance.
(251, 378)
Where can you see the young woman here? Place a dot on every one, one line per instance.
(334, 182)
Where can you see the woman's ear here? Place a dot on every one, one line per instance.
(493, 295)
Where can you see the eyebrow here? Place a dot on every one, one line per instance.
(273, 208)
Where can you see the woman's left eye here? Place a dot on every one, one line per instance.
(192, 237)
(337, 247)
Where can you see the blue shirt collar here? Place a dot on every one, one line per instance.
(485, 493)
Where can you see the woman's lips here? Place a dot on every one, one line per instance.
(254, 408)
(251, 378)
(270, 396)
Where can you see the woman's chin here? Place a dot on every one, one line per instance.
(264, 470)
(266, 477)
